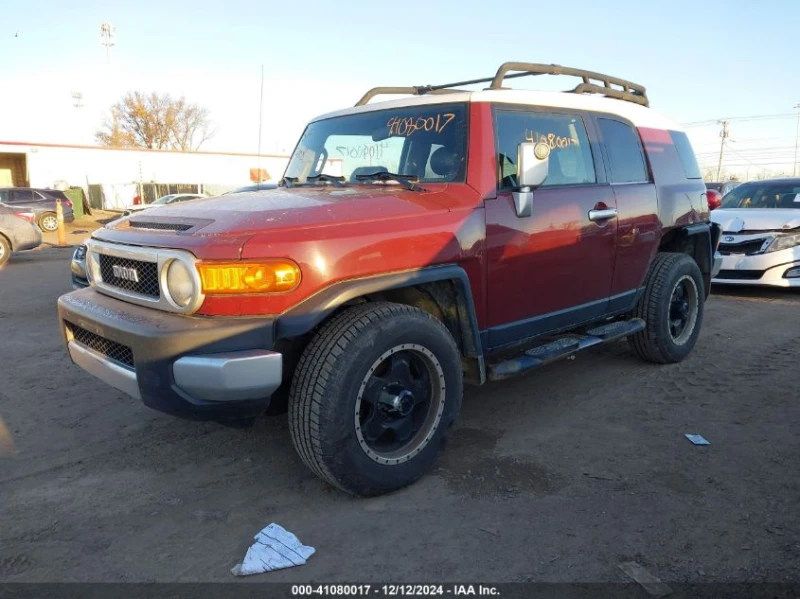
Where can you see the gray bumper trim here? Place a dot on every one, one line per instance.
(717, 265)
(107, 371)
(231, 376)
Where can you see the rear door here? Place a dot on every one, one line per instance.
(552, 269)
(20, 197)
(638, 224)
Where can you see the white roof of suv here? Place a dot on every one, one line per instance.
(596, 93)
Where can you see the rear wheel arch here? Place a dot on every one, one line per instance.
(699, 241)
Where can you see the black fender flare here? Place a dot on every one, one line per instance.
(310, 313)
(707, 235)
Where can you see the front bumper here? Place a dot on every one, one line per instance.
(194, 367)
(761, 269)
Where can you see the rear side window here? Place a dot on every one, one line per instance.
(570, 155)
(20, 196)
(686, 154)
(624, 149)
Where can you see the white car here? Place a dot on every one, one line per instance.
(760, 242)
(162, 201)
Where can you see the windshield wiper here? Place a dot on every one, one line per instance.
(323, 178)
(410, 181)
(338, 181)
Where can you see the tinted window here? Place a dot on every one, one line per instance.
(19, 196)
(570, 155)
(625, 157)
(686, 154)
(763, 195)
(3, 195)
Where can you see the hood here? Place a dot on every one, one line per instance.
(140, 207)
(259, 211)
(756, 219)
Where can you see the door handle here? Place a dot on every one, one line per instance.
(604, 214)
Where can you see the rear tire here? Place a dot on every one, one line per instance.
(672, 306)
(5, 250)
(48, 222)
(373, 397)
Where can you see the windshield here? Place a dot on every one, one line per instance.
(763, 195)
(164, 200)
(428, 142)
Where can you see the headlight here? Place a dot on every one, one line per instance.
(247, 277)
(784, 242)
(180, 284)
(92, 266)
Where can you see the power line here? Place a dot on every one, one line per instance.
(755, 117)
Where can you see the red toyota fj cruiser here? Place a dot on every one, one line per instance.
(413, 244)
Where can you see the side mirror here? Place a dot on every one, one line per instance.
(533, 161)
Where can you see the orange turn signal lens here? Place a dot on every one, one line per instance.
(248, 277)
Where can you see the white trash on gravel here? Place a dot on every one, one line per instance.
(275, 548)
(697, 439)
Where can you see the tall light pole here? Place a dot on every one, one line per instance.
(260, 117)
(108, 35)
(796, 139)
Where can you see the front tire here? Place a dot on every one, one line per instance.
(373, 397)
(5, 250)
(48, 222)
(672, 305)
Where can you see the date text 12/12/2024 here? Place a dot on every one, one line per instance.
(393, 590)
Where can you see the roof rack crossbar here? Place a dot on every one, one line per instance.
(593, 83)
(631, 92)
(412, 90)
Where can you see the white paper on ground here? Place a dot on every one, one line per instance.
(275, 548)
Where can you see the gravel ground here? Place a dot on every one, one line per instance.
(560, 475)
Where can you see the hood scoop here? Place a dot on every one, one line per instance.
(178, 225)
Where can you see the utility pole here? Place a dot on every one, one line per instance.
(724, 135)
(107, 38)
(796, 138)
(260, 117)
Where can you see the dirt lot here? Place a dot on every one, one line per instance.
(557, 476)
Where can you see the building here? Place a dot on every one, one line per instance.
(112, 177)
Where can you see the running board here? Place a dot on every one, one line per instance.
(563, 347)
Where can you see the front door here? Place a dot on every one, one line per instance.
(553, 269)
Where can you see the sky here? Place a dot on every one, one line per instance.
(700, 60)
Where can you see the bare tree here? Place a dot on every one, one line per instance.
(156, 121)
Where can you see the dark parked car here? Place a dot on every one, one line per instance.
(17, 233)
(42, 202)
(78, 268)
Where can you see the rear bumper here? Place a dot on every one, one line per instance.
(26, 238)
(201, 368)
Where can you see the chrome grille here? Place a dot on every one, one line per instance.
(111, 349)
(751, 246)
(146, 282)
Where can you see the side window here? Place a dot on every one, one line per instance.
(570, 155)
(624, 152)
(3, 195)
(20, 196)
(686, 155)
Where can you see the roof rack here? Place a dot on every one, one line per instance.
(593, 83)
